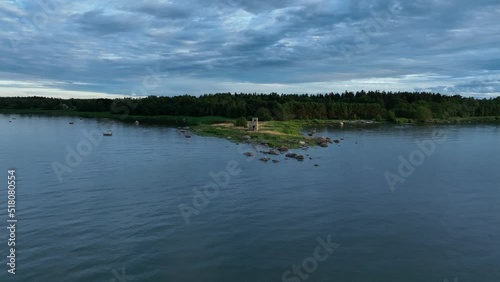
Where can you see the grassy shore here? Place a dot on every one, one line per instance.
(269, 133)
(273, 133)
(153, 120)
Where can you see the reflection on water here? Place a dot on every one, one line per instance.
(119, 207)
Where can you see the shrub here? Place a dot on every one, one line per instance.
(391, 116)
(241, 121)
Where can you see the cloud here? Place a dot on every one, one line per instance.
(98, 21)
(163, 10)
(484, 88)
(256, 46)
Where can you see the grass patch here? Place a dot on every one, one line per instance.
(273, 133)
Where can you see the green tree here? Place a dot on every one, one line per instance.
(423, 114)
(264, 114)
(391, 116)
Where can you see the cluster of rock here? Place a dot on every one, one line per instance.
(283, 149)
(321, 141)
(295, 156)
(266, 159)
(181, 129)
(246, 138)
(271, 152)
(324, 141)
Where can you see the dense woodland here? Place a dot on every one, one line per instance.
(360, 105)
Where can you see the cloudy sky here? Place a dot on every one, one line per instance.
(64, 48)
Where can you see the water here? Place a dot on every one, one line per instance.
(116, 217)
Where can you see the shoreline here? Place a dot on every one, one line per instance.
(274, 134)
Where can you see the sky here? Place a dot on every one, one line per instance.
(79, 49)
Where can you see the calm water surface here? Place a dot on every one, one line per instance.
(117, 212)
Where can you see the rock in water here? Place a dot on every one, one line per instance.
(273, 152)
(323, 144)
(283, 149)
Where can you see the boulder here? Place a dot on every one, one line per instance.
(321, 139)
(265, 159)
(283, 149)
(270, 152)
(248, 154)
(273, 152)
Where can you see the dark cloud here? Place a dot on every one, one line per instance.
(297, 45)
(162, 10)
(98, 22)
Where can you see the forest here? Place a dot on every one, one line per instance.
(377, 105)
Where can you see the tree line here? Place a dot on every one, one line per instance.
(348, 105)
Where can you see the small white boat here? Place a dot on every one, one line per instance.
(108, 133)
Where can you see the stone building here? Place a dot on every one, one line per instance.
(254, 124)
